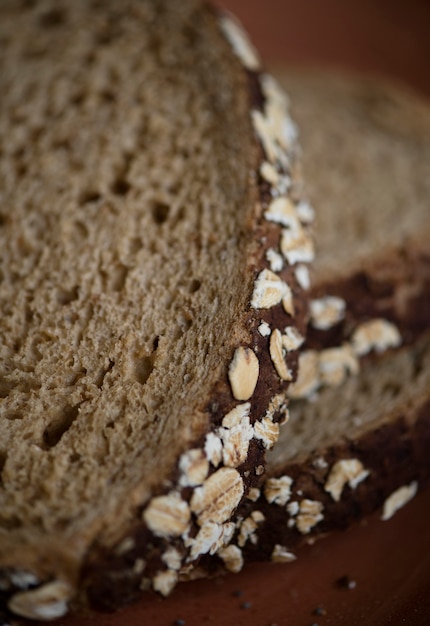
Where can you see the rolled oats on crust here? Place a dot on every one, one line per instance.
(47, 602)
(398, 499)
(278, 490)
(243, 373)
(232, 558)
(281, 554)
(218, 497)
(377, 334)
(167, 516)
(343, 472)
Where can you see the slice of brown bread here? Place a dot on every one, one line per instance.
(141, 150)
(354, 443)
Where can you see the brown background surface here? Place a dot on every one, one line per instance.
(389, 561)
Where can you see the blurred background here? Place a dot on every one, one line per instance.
(388, 37)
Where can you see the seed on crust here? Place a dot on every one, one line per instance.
(126, 545)
(335, 364)
(283, 129)
(305, 212)
(165, 581)
(293, 508)
(236, 416)
(236, 433)
(301, 273)
(326, 312)
(292, 339)
(262, 127)
(278, 490)
(378, 335)
(398, 499)
(269, 290)
(259, 470)
(282, 211)
(253, 494)
(21, 579)
(288, 302)
(210, 538)
(172, 558)
(167, 516)
(278, 406)
(46, 602)
(240, 42)
(308, 378)
(218, 497)
(345, 471)
(277, 356)
(275, 260)
(243, 373)
(267, 431)
(310, 514)
(232, 557)
(248, 528)
(297, 246)
(213, 449)
(194, 467)
(281, 554)
(264, 329)
(269, 173)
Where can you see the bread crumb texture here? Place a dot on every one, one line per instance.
(137, 160)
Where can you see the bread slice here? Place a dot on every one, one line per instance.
(359, 429)
(149, 170)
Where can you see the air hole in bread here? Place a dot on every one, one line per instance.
(60, 425)
(135, 245)
(14, 415)
(61, 144)
(118, 276)
(52, 18)
(143, 369)
(82, 230)
(180, 215)
(194, 285)
(121, 187)
(66, 296)
(2, 220)
(3, 459)
(5, 388)
(77, 98)
(160, 212)
(88, 196)
(21, 169)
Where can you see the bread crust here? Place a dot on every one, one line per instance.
(391, 456)
(394, 287)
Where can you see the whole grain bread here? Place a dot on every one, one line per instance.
(148, 173)
(359, 429)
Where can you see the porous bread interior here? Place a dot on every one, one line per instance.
(385, 389)
(366, 161)
(125, 231)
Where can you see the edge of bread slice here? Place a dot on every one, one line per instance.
(146, 251)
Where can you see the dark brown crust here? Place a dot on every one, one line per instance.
(396, 453)
(395, 287)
